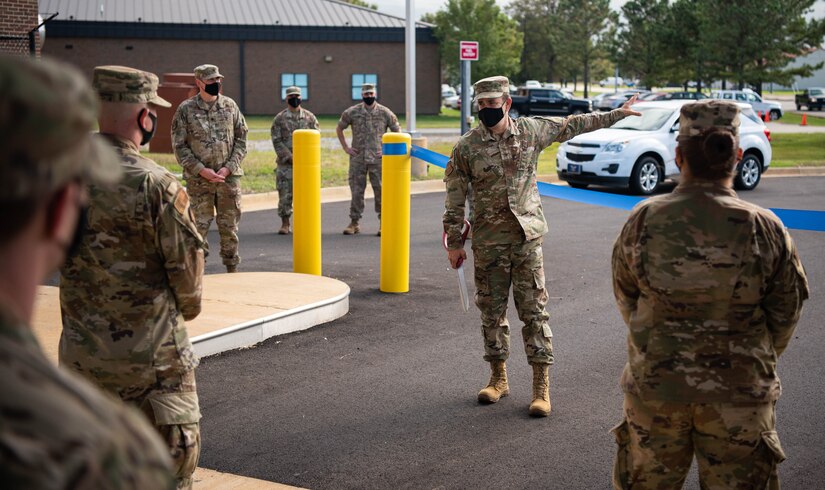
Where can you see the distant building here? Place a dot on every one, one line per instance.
(328, 48)
(817, 79)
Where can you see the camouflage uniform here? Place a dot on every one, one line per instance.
(212, 136)
(711, 288)
(509, 223)
(368, 125)
(283, 125)
(135, 277)
(57, 430)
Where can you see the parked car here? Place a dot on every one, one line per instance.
(653, 96)
(547, 102)
(532, 84)
(684, 96)
(640, 152)
(813, 98)
(614, 101)
(611, 81)
(750, 97)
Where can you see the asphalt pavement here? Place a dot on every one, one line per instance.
(385, 396)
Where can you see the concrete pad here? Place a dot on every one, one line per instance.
(238, 310)
(215, 480)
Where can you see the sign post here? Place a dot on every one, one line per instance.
(468, 51)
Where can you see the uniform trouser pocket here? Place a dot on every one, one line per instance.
(765, 467)
(622, 464)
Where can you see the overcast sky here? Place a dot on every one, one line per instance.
(399, 7)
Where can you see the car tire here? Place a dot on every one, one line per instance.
(513, 113)
(748, 173)
(798, 107)
(646, 176)
(577, 185)
(577, 112)
(775, 115)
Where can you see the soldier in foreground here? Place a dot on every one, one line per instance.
(369, 120)
(137, 276)
(209, 137)
(499, 158)
(56, 429)
(285, 122)
(711, 288)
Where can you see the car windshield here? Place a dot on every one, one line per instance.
(652, 118)
(816, 91)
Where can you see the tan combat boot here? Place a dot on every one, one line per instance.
(352, 229)
(497, 387)
(284, 229)
(541, 391)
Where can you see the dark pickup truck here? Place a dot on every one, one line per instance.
(813, 98)
(547, 102)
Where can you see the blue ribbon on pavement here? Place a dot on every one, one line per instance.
(797, 219)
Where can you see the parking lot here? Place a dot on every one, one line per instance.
(385, 397)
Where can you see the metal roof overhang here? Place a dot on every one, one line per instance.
(140, 30)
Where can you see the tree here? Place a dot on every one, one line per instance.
(642, 40)
(582, 24)
(499, 41)
(536, 19)
(759, 38)
(362, 3)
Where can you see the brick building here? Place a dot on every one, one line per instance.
(19, 17)
(262, 46)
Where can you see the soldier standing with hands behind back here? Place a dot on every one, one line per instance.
(136, 276)
(369, 121)
(285, 122)
(499, 158)
(209, 137)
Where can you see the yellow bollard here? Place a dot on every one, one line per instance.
(306, 201)
(395, 213)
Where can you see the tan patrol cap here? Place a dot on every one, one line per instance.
(293, 91)
(123, 84)
(492, 87)
(47, 113)
(697, 117)
(367, 87)
(207, 72)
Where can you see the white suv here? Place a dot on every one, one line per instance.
(640, 152)
(748, 96)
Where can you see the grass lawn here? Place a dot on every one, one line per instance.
(814, 119)
(798, 149)
(789, 150)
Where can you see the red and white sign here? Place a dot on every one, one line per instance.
(468, 50)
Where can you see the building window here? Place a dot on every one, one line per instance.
(300, 80)
(359, 79)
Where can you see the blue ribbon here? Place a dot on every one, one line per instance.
(394, 149)
(796, 219)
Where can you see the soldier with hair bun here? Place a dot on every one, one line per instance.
(711, 288)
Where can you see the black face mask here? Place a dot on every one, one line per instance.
(490, 116)
(213, 88)
(74, 245)
(294, 102)
(147, 135)
(369, 100)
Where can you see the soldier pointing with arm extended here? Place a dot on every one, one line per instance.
(369, 121)
(499, 158)
(285, 122)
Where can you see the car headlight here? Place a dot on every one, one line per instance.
(813, 100)
(616, 147)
